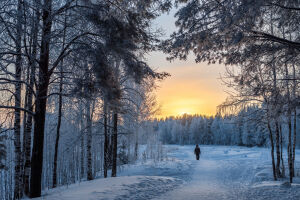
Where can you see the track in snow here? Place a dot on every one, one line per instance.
(220, 174)
(231, 173)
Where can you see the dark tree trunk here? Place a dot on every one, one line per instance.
(41, 104)
(295, 117)
(115, 145)
(25, 134)
(54, 181)
(82, 147)
(110, 142)
(277, 150)
(106, 141)
(38, 140)
(281, 155)
(274, 96)
(272, 151)
(89, 141)
(289, 117)
(294, 140)
(136, 148)
(18, 191)
(28, 124)
(26, 106)
(290, 156)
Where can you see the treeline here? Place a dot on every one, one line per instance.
(74, 87)
(248, 128)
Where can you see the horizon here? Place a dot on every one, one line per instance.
(182, 115)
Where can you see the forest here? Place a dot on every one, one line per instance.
(248, 128)
(77, 96)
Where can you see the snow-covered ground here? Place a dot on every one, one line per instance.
(222, 173)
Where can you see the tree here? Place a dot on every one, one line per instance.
(121, 36)
(45, 73)
(60, 102)
(17, 117)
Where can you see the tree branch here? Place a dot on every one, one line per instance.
(15, 108)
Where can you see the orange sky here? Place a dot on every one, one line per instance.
(193, 88)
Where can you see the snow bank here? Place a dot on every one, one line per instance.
(126, 187)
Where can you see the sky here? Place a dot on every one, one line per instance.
(193, 88)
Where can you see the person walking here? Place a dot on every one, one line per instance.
(197, 152)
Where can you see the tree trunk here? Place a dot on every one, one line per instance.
(25, 134)
(89, 141)
(281, 155)
(295, 118)
(290, 156)
(289, 117)
(110, 142)
(28, 124)
(54, 182)
(17, 121)
(136, 146)
(294, 141)
(272, 151)
(41, 104)
(115, 145)
(106, 141)
(38, 139)
(82, 147)
(26, 106)
(277, 150)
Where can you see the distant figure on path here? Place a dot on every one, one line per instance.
(197, 151)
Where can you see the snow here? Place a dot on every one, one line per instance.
(223, 172)
(113, 188)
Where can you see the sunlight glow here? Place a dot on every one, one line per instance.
(192, 89)
(184, 112)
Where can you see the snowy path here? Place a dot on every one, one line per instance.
(218, 175)
(232, 173)
(223, 173)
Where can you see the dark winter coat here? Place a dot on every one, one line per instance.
(197, 151)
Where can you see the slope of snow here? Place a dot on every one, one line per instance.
(222, 173)
(126, 187)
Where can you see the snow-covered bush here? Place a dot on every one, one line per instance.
(123, 155)
(154, 149)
